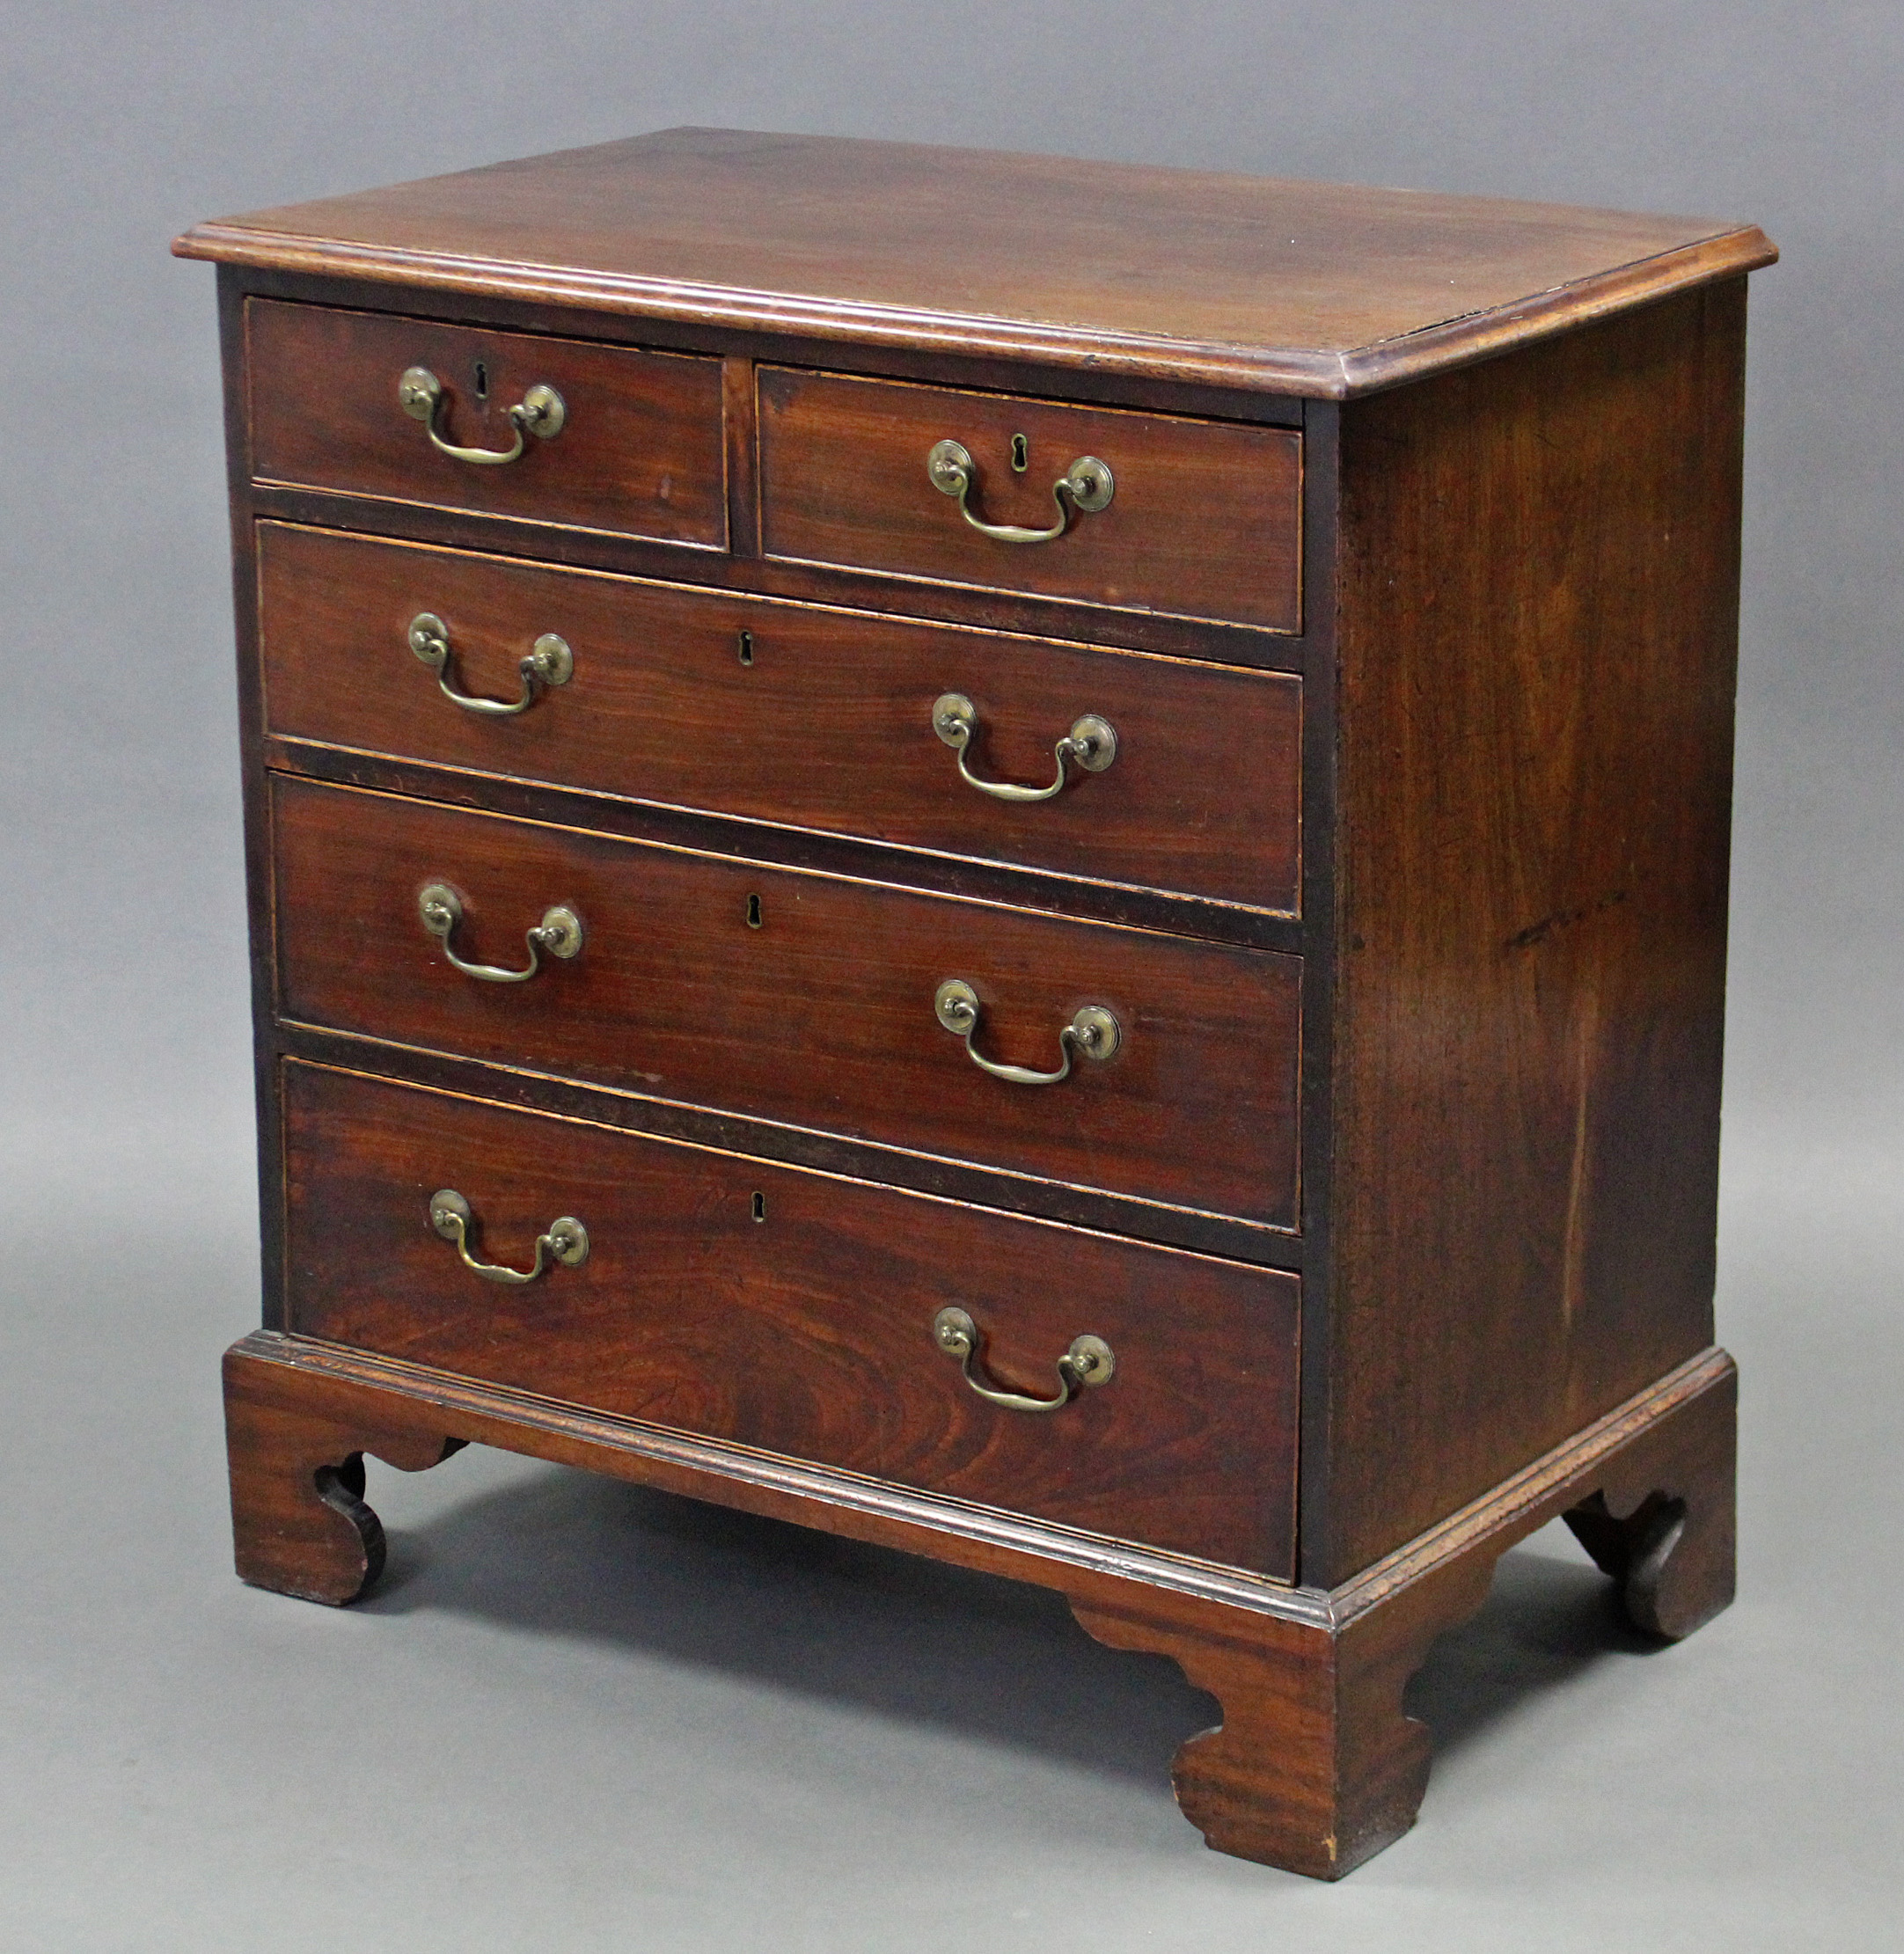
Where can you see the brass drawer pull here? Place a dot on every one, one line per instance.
(1086, 1364)
(565, 1239)
(1093, 1032)
(550, 663)
(1086, 486)
(1092, 742)
(559, 932)
(540, 411)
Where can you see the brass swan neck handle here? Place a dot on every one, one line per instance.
(1091, 745)
(565, 1240)
(550, 663)
(1093, 1031)
(540, 411)
(1088, 1362)
(559, 933)
(1086, 486)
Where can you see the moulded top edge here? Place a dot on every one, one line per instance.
(1313, 289)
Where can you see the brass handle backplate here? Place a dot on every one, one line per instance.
(1088, 1362)
(540, 411)
(1086, 486)
(559, 932)
(549, 663)
(565, 1240)
(1091, 745)
(1093, 1032)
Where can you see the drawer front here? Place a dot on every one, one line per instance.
(828, 723)
(640, 452)
(804, 998)
(1203, 521)
(792, 1312)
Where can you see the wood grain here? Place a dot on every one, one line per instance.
(1310, 288)
(260, 872)
(1315, 1765)
(1538, 618)
(800, 1146)
(1484, 457)
(821, 1016)
(298, 1520)
(828, 724)
(1206, 520)
(791, 1312)
(640, 454)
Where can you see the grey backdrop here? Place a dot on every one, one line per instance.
(579, 1717)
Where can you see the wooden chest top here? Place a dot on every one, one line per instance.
(1305, 288)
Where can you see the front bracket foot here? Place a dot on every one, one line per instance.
(298, 1519)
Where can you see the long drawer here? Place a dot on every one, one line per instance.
(1165, 512)
(814, 1001)
(794, 1312)
(636, 449)
(795, 713)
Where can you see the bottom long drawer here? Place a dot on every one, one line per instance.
(794, 1312)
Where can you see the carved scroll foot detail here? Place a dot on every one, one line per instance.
(1315, 1766)
(1670, 1543)
(298, 1519)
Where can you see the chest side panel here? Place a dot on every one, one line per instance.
(1538, 627)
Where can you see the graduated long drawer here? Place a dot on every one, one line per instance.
(796, 714)
(800, 997)
(793, 1312)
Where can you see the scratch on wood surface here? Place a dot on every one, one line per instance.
(1562, 919)
(1573, 1252)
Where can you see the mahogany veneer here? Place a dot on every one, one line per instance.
(785, 995)
(1371, 1223)
(640, 449)
(839, 479)
(825, 705)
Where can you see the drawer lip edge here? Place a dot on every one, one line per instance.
(1270, 1231)
(279, 482)
(270, 519)
(621, 553)
(825, 1488)
(705, 853)
(1022, 593)
(845, 837)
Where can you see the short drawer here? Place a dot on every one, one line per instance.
(793, 1312)
(792, 713)
(799, 998)
(1204, 519)
(640, 449)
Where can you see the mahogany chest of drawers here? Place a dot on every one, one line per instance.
(1021, 857)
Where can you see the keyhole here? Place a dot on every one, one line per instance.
(1020, 454)
(747, 648)
(760, 1207)
(482, 381)
(753, 912)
